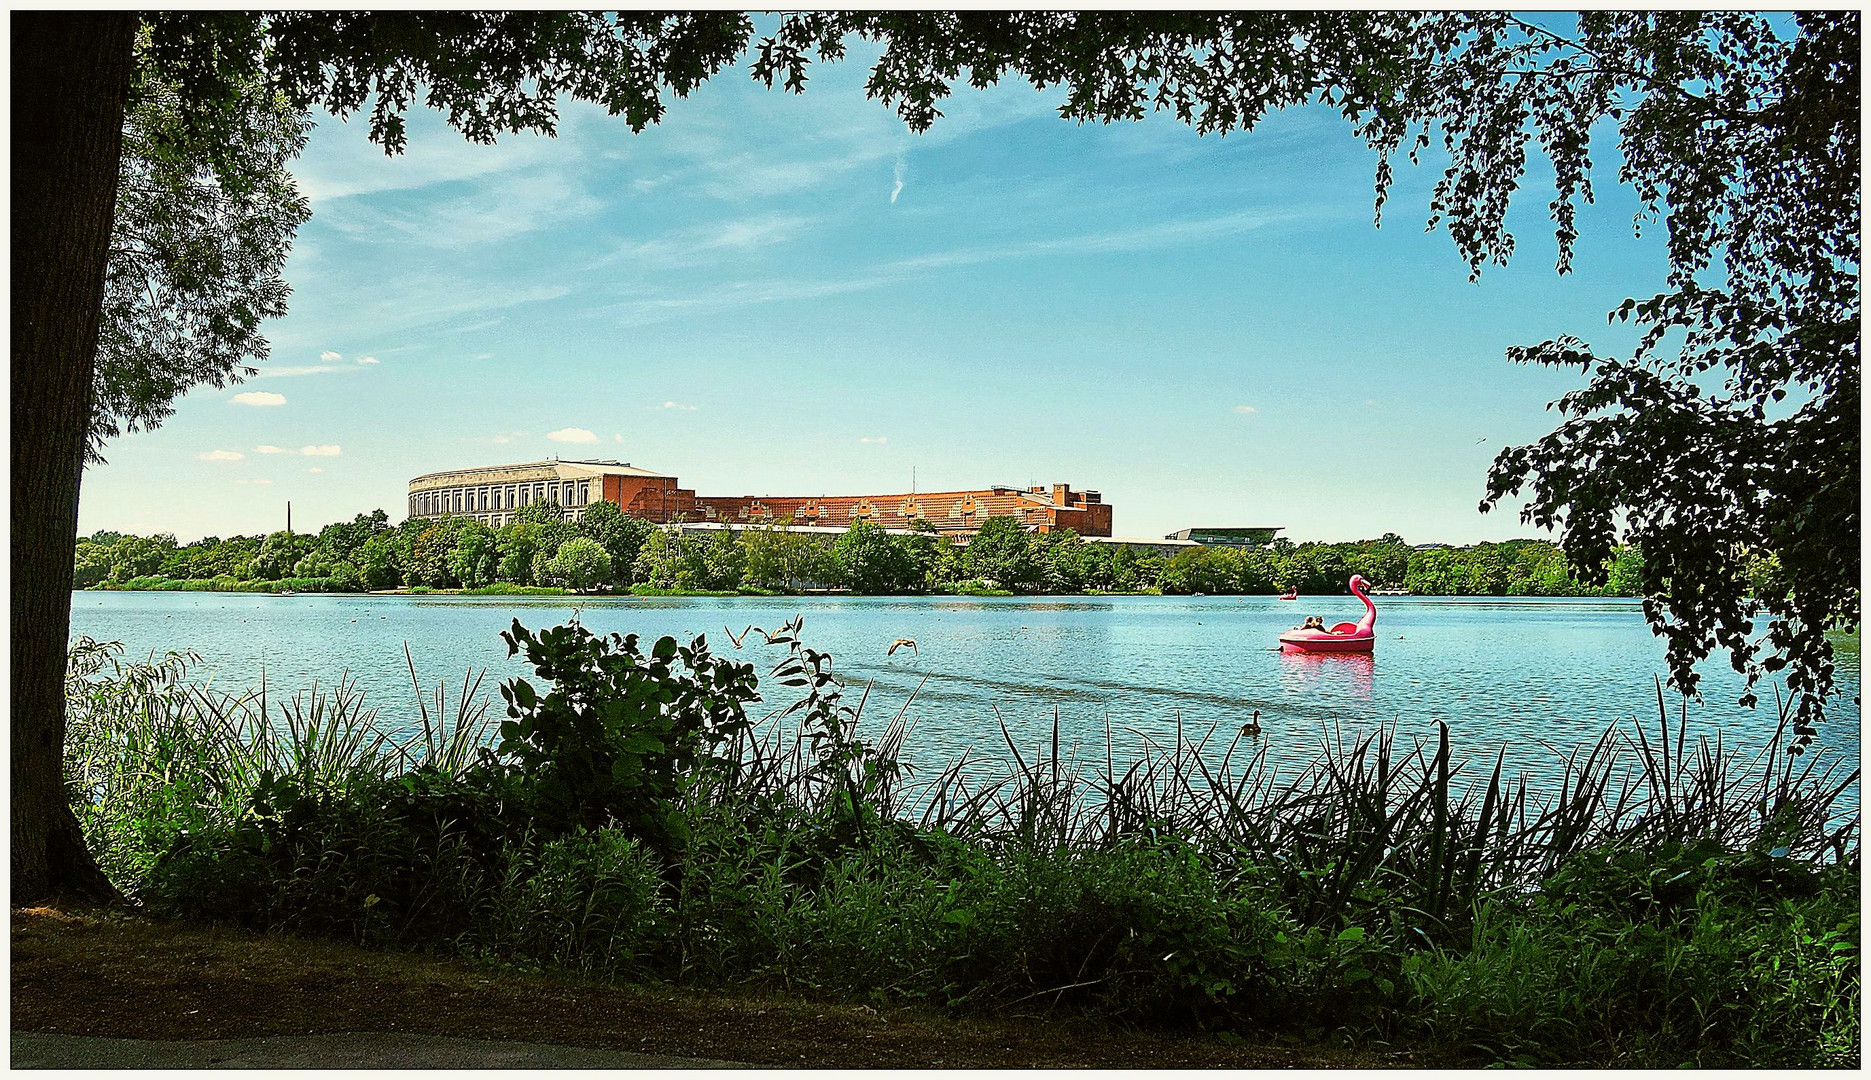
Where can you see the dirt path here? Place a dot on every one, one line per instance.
(119, 976)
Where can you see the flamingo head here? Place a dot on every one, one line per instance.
(1358, 582)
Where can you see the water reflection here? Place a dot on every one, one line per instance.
(1341, 675)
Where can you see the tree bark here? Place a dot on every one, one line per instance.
(71, 78)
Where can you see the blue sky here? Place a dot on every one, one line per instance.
(777, 294)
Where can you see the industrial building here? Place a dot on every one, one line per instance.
(493, 494)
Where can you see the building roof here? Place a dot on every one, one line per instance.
(592, 466)
(1141, 541)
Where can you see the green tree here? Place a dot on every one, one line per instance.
(621, 535)
(715, 562)
(92, 564)
(871, 561)
(475, 560)
(345, 539)
(548, 512)
(659, 563)
(204, 220)
(75, 73)
(1000, 553)
(278, 554)
(581, 563)
(431, 552)
(766, 550)
(139, 556)
(376, 563)
(1732, 429)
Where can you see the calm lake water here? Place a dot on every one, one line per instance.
(1530, 675)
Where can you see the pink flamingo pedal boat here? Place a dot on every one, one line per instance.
(1346, 637)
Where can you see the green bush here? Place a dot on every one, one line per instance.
(591, 901)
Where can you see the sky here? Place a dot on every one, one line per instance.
(794, 295)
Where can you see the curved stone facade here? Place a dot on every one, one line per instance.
(495, 493)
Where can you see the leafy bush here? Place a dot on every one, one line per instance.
(621, 732)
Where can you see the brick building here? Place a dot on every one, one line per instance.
(494, 493)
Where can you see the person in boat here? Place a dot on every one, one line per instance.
(1313, 622)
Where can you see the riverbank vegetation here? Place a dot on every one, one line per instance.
(642, 812)
(606, 550)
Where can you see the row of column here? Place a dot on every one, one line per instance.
(476, 499)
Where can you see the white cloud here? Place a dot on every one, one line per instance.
(897, 175)
(572, 435)
(1245, 409)
(273, 450)
(506, 437)
(878, 440)
(259, 398)
(316, 469)
(221, 455)
(368, 360)
(252, 480)
(674, 405)
(616, 437)
(321, 451)
(328, 356)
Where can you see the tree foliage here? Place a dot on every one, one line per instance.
(1731, 432)
(205, 219)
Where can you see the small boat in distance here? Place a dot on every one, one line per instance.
(1390, 592)
(1346, 637)
(1294, 595)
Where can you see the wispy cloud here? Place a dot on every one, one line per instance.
(572, 435)
(615, 437)
(897, 175)
(316, 469)
(327, 450)
(273, 450)
(254, 480)
(675, 405)
(340, 163)
(258, 398)
(642, 310)
(1163, 234)
(368, 360)
(1245, 409)
(491, 211)
(878, 440)
(689, 246)
(328, 356)
(221, 455)
(291, 371)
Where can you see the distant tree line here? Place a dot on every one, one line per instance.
(607, 550)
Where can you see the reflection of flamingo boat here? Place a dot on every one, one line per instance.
(1346, 637)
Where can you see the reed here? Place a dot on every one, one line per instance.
(1191, 881)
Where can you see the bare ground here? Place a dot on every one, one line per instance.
(111, 974)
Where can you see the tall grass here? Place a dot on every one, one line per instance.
(1664, 901)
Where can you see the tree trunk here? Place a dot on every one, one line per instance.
(71, 75)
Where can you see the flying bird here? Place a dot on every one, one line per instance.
(898, 643)
(737, 640)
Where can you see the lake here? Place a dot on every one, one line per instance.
(1534, 676)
